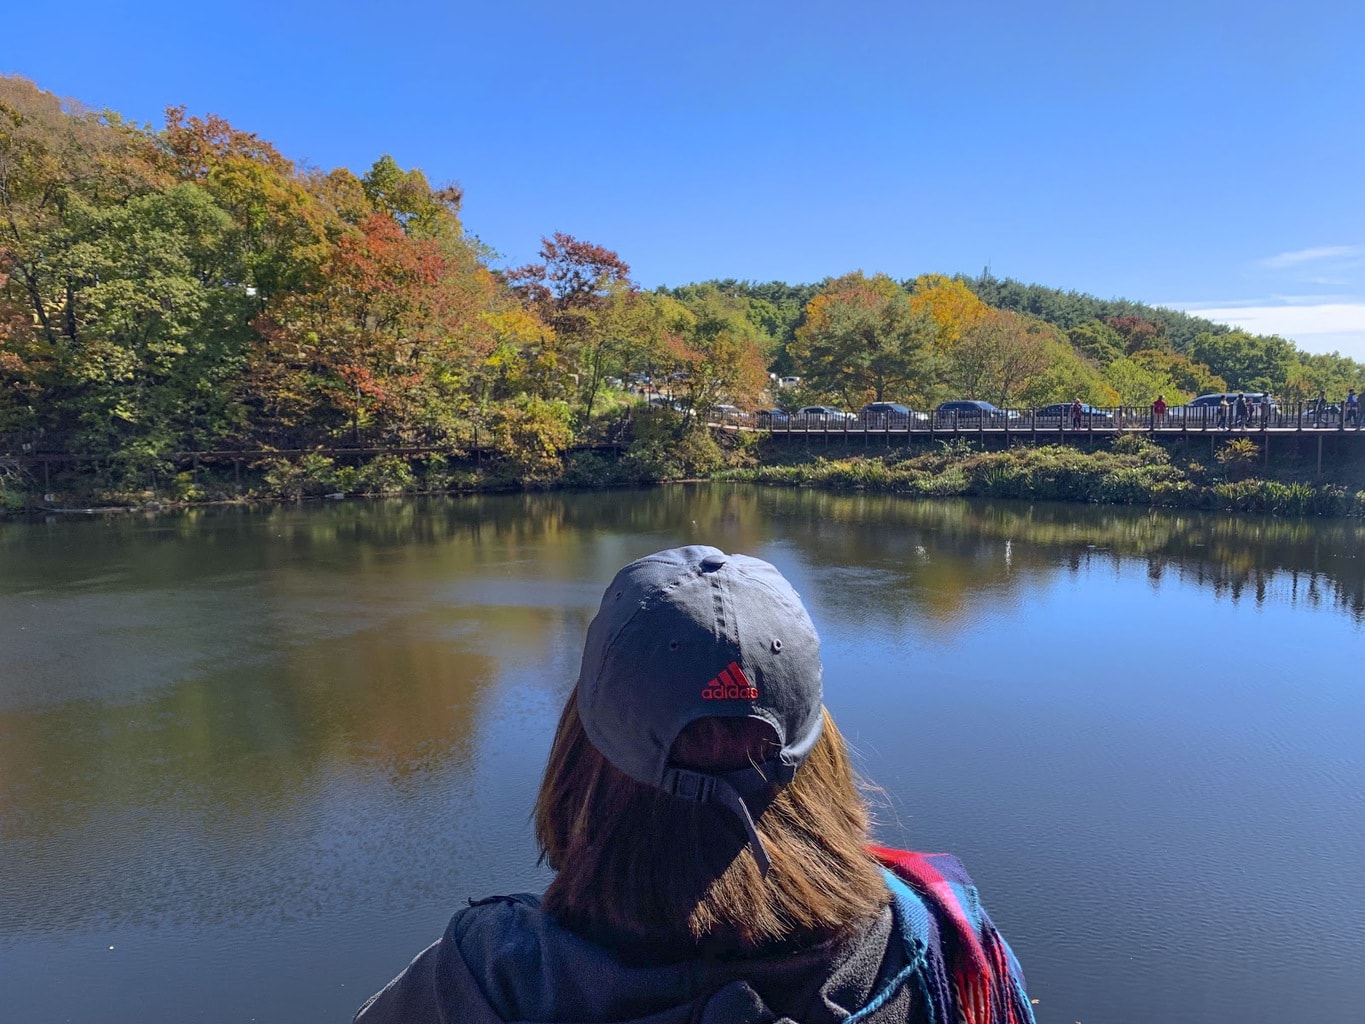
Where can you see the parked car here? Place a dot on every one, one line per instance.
(972, 412)
(813, 414)
(788, 382)
(1060, 413)
(772, 417)
(890, 414)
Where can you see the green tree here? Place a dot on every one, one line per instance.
(1066, 375)
(1096, 341)
(1247, 362)
(998, 356)
(862, 340)
(1326, 373)
(1190, 378)
(1139, 384)
(162, 335)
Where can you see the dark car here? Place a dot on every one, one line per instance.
(772, 417)
(889, 414)
(972, 412)
(1060, 413)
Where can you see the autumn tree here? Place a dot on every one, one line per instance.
(389, 339)
(137, 321)
(863, 340)
(953, 306)
(712, 348)
(1138, 333)
(59, 166)
(279, 234)
(584, 293)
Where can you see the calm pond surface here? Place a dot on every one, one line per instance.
(252, 759)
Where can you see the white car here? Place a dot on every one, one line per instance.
(827, 413)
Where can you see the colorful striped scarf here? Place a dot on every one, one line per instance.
(965, 970)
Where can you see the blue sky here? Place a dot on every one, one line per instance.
(1203, 155)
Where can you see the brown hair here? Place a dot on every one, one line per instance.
(636, 865)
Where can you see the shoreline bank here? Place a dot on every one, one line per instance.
(1133, 471)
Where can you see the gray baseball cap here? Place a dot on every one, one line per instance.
(694, 633)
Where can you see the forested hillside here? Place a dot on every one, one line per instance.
(186, 287)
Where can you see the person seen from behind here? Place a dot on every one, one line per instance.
(1076, 409)
(1351, 412)
(1158, 410)
(709, 844)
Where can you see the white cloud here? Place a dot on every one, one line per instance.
(1300, 256)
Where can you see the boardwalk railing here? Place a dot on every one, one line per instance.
(1302, 416)
(36, 447)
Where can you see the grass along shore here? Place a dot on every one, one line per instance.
(1133, 471)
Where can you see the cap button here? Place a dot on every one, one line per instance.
(712, 562)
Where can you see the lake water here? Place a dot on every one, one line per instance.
(252, 759)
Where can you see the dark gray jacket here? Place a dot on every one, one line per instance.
(504, 960)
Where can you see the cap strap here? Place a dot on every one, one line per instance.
(715, 789)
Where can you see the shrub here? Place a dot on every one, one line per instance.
(529, 434)
(1140, 446)
(956, 449)
(385, 474)
(14, 483)
(1237, 456)
(313, 474)
(186, 488)
(592, 469)
(669, 447)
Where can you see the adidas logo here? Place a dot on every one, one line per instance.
(731, 684)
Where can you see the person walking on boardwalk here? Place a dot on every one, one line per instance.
(709, 844)
(1223, 408)
(1239, 410)
(1318, 408)
(1159, 411)
(1351, 411)
(1076, 409)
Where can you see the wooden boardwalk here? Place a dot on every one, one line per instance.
(1298, 436)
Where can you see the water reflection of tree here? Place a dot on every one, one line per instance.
(945, 556)
(179, 773)
(947, 550)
